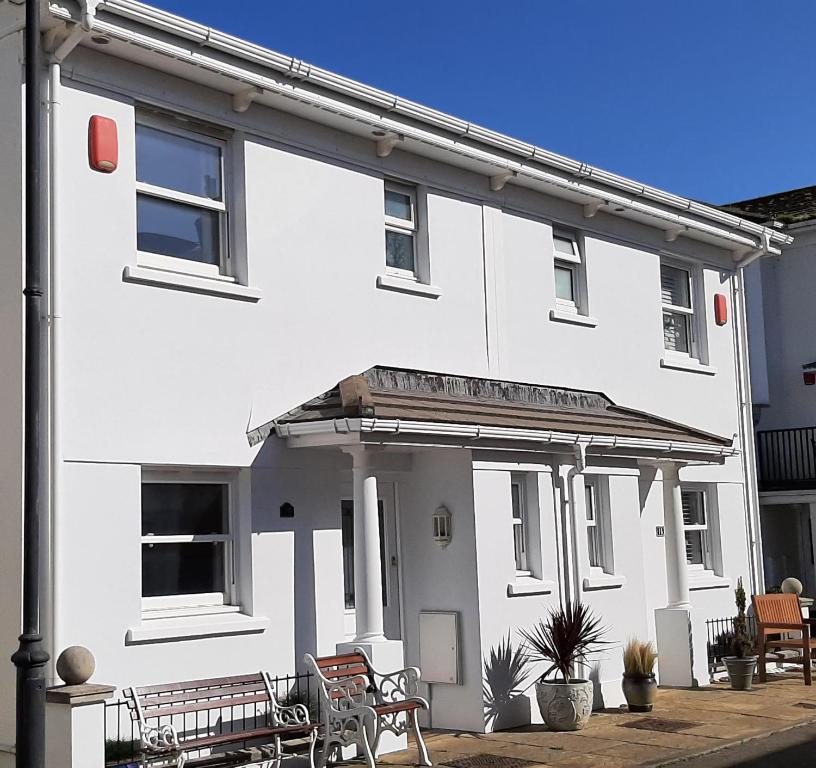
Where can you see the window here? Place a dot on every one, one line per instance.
(347, 528)
(676, 291)
(598, 525)
(181, 206)
(696, 520)
(401, 230)
(186, 544)
(594, 529)
(568, 272)
(520, 524)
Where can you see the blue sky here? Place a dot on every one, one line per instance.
(713, 99)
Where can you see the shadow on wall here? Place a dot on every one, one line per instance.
(505, 673)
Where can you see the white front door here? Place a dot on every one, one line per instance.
(389, 560)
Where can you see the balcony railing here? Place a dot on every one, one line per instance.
(786, 459)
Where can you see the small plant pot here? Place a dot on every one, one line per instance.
(640, 692)
(740, 671)
(565, 706)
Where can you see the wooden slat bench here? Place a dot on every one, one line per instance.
(358, 704)
(181, 705)
(782, 614)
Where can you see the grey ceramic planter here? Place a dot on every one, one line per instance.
(639, 692)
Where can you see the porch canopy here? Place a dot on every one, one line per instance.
(394, 406)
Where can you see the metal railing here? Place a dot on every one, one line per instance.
(719, 633)
(122, 732)
(786, 459)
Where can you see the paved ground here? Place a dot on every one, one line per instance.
(704, 720)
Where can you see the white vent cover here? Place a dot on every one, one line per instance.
(439, 646)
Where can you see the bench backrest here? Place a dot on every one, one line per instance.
(779, 609)
(185, 698)
(351, 667)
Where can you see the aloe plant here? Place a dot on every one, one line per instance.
(564, 639)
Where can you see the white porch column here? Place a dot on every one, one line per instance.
(368, 596)
(675, 539)
(681, 636)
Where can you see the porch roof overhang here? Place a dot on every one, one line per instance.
(406, 407)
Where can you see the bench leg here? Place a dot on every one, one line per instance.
(312, 744)
(367, 753)
(278, 752)
(761, 660)
(424, 759)
(325, 752)
(806, 663)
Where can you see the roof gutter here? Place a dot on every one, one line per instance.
(624, 192)
(481, 432)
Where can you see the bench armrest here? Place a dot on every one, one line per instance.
(297, 714)
(346, 694)
(163, 738)
(396, 686)
(772, 626)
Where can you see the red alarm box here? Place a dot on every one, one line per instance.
(103, 144)
(810, 378)
(720, 309)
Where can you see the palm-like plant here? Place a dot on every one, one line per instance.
(564, 639)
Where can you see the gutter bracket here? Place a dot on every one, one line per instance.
(242, 99)
(590, 209)
(386, 144)
(498, 181)
(743, 258)
(579, 449)
(670, 235)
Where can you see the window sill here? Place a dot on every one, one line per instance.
(687, 364)
(404, 285)
(708, 580)
(528, 585)
(603, 581)
(191, 283)
(560, 316)
(157, 630)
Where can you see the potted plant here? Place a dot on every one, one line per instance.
(741, 664)
(639, 684)
(563, 641)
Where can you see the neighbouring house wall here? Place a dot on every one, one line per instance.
(443, 579)
(11, 369)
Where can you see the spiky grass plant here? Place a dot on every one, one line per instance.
(564, 639)
(639, 658)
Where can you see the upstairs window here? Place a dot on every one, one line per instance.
(676, 292)
(696, 525)
(570, 284)
(181, 206)
(186, 544)
(401, 230)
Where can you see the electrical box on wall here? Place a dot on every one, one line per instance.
(103, 144)
(439, 646)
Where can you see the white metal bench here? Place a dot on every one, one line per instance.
(358, 704)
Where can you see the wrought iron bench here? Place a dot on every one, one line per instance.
(169, 717)
(782, 614)
(358, 704)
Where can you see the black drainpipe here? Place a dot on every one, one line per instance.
(31, 657)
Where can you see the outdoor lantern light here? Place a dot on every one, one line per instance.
(442, 526)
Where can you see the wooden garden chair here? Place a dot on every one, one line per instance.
(782, 614)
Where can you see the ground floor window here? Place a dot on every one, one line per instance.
(696, 525)
(186, 542)
(521, 525)
(347, 527)
(598, 524)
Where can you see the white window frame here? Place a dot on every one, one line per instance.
(691, 314)
(403, 226)
(709, 564)
(212, 601)
(221, 271)
(575, 264)
(521, 559)
(599, 525)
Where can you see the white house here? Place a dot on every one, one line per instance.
(781, 323)
(290, 312)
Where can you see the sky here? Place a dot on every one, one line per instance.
(710, 99)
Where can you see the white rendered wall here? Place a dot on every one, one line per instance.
(11, 369)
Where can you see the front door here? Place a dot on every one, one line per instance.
(389, 561)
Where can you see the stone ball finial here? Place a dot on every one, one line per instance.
(75, 665)
(791, 586)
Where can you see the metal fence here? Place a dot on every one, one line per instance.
(720, 632)
(786, 458)
(122, 732)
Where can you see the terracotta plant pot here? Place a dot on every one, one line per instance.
(740, 671)
(565, 706)
(640, 692)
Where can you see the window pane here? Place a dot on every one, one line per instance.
(515, 495)
(564, 288)
(182, 569)
(176, 229)
(178, 509)
(564, 245)
(594, 544)
(675, 286)
(695, 550)
(347, 528)
(399, 250)
(519, 535)
(398, 205)
(693, 508)
(179, 163)
(676, 332)
(589, 492)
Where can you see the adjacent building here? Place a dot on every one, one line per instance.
(325, 364)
